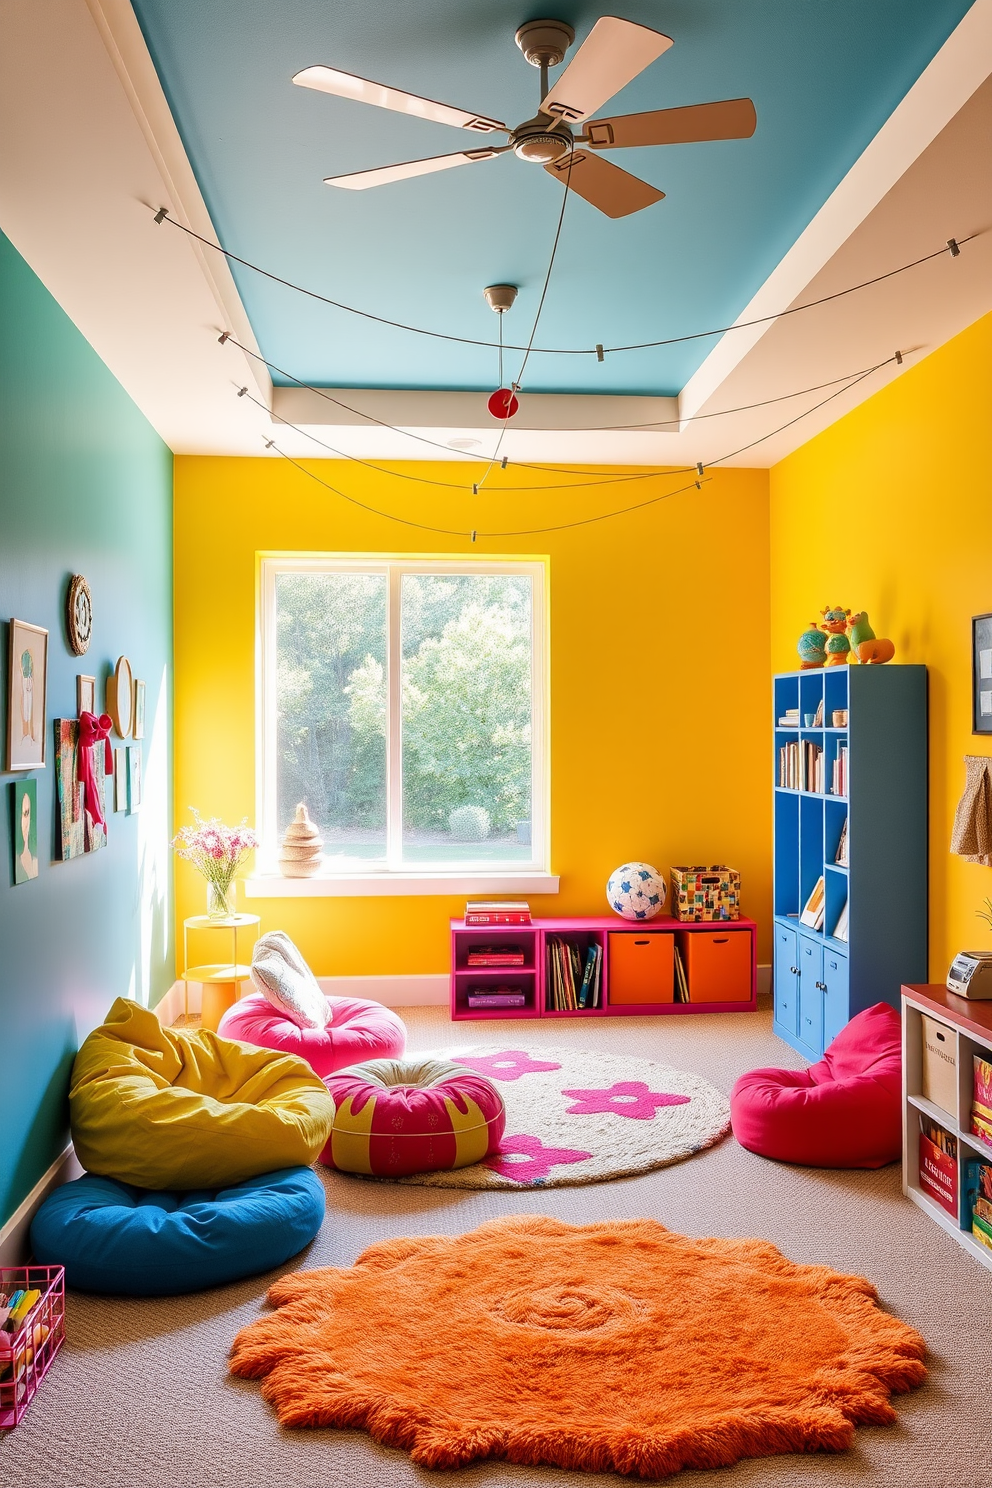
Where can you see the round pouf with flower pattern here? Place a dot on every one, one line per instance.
(395, 1117)
(637, 891)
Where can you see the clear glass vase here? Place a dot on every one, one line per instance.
(221, 899)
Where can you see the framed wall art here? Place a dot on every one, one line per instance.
(27, 686)
(138, 724)
(24, 822)
(120, 779)
(70, 821)
(133, 777)
(120, 696)
(981, 674)
(85, 694)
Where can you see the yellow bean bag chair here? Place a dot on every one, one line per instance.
(165, 1109)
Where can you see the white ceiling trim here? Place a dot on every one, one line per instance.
(91, 150)
(942, 89)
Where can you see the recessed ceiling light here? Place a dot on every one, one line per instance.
(464, 444)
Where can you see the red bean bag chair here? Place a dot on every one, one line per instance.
(845, 1112)
(355, 1031)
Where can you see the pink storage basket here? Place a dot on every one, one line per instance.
(26, 1356)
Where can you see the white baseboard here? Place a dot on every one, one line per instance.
(429, 990)
(14, 1235)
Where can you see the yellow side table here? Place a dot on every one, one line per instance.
(221, 981)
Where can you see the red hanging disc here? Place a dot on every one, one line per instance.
(503, 404)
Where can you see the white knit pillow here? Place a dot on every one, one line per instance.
(282, 976)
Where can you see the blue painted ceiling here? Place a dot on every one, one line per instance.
(824, 75)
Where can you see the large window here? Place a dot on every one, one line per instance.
(403, 702)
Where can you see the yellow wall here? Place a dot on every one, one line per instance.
(659, 675)
(890, 510)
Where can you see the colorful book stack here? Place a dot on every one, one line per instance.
(800, 766)
(495, 956)
(572, 984)
(978, 1197)
(838, 777)
(981, 1101)
(497, 912)
(939, 1164)
(789, 719)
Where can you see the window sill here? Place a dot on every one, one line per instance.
(375, 885)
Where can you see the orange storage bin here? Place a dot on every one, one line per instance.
(717, 965)
(641, 966)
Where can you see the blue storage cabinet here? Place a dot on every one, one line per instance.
(821, 982)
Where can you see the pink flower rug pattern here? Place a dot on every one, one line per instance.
(577, 1117)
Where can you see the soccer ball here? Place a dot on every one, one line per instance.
(637, 891)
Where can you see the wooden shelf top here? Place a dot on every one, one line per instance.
(963, 1012)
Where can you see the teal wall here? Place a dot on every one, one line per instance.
(85, 487)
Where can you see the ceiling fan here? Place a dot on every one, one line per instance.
(613, 53)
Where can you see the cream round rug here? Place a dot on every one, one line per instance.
(576, 1117)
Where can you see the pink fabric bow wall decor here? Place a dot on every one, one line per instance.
(91, 730)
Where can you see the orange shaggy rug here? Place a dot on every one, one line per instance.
(619, 1346)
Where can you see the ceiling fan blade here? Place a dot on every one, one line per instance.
(614, 52)
(604, 185)
(384, 174)
(734, 118)
(346, 85)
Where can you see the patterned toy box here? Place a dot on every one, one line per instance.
(700, 893)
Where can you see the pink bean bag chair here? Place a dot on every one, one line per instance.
(291, 1014)
(356, 1031)
(845, 1112)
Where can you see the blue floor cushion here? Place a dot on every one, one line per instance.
(126, 1241)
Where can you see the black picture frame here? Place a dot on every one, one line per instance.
(981, 674)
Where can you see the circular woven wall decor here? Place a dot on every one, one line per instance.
(79, 614)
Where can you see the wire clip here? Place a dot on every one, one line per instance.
(952, 244)
(898, 358)
(160, 214)
(600, 354)
(502, 463)
(226, 336)
(242, 391)
(473, 534)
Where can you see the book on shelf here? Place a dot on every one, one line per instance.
(938, 1164)
(789, 719)
(497, 912)
(495, 956)
(840, 857)
(813, 909)
(978, 1200)
(838, 774)
(818, 718)
(496, 997)
(681, 984)
(839, 931)
(981, 1100)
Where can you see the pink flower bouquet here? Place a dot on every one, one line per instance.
(217, 852)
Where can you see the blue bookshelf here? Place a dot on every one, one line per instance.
(821, 981)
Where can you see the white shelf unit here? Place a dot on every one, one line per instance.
(968, 1039)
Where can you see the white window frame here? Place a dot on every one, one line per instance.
(394, 876)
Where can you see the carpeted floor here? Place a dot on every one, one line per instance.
(141, 1395)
